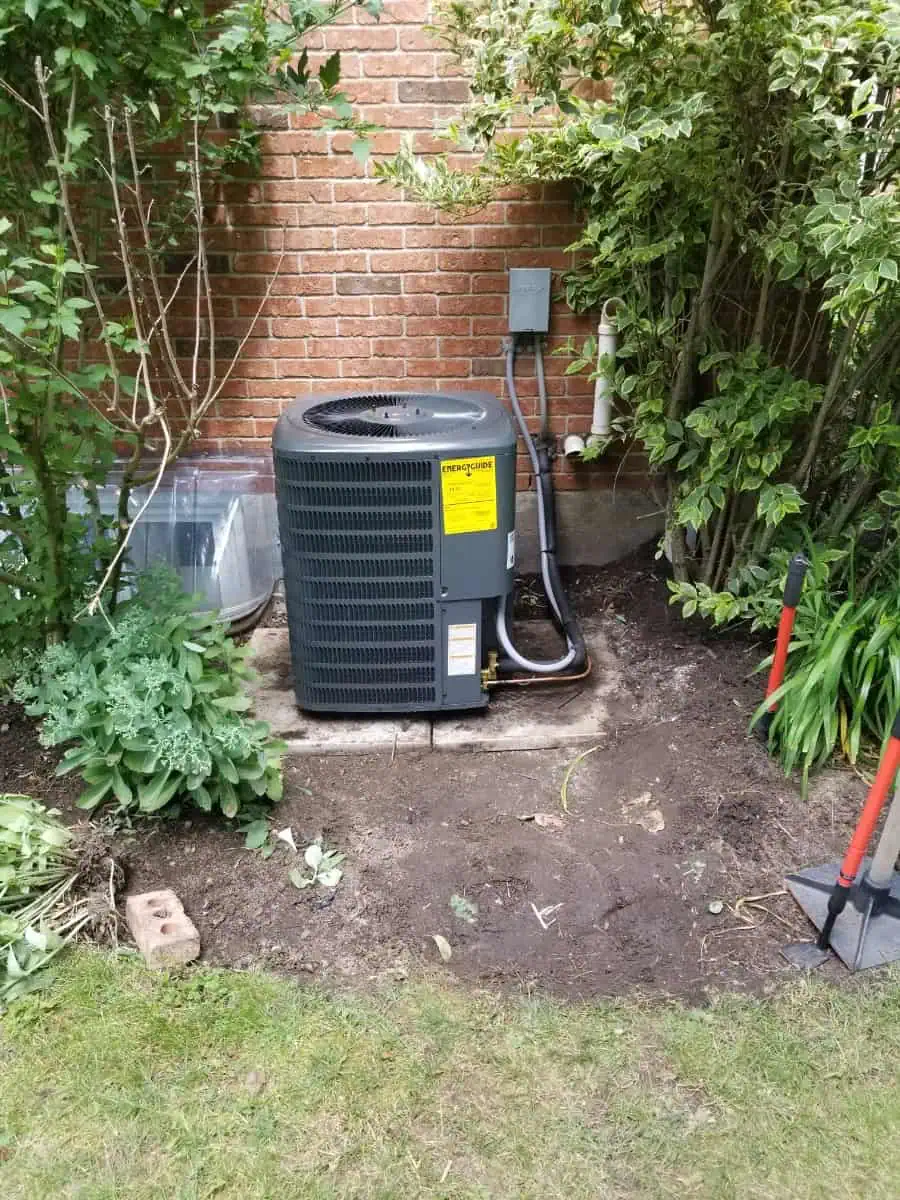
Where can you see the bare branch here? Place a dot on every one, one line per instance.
(195, 186)
(20, 99)
(65, 200)
(112, 175)
(237, 354)
(144, 219)
(94, 602)
(181, 390)
(203, 266)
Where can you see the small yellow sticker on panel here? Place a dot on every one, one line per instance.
(469, 494)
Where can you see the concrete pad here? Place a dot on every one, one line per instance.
(518, 718)
(539, 717)
(308, 733)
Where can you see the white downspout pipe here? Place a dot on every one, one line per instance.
(573, 446)
(606, 346)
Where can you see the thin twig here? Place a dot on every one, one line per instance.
(144, 219)
(203, 265)
(65, 200)
(237, 354)
(20, 99)
(94, 601)
(124, 250)
(195, 183)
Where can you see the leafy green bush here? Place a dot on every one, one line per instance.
(737, 191)
(120, 126)
(154, 701)
(736, 185)
(48, 444)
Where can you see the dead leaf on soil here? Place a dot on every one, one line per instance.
(543, 820)
(653, 821)
(287, 835)
(443, 946)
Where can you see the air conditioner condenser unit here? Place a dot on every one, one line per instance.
(397, 520)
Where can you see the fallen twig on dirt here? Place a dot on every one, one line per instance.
(543, 913)
(755, 902)
(542, 820)
(749, 924)
(570, 770)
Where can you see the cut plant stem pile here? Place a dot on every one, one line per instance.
(38, 912)
(247, 1087)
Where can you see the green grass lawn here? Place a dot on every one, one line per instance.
(119, 1083)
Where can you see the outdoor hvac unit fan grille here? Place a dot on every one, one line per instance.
(360, 555)
(392, 416)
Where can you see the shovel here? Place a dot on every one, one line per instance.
(874, 901)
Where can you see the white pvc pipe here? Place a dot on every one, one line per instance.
(606, 345)
(573, 446)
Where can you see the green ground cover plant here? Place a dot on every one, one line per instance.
(39, 912)
(154, 701)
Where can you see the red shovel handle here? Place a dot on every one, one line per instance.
(779, 661)
(793, 589)
(878, 793)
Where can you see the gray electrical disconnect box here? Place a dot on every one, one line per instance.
(529, 299)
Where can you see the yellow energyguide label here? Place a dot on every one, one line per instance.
(469, 494)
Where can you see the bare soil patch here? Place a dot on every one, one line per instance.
(674, 810)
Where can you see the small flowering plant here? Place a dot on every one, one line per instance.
(153, 701)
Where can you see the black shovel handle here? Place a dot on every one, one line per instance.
(793, 587)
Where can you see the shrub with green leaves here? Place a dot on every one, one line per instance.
(121, 123)
(736, 185)
(734, 168)
(154, 703)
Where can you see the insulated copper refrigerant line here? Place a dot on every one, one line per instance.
(793, 590)
(862, 835)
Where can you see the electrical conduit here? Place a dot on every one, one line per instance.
(575, 657)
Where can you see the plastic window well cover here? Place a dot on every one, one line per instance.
(214, 521)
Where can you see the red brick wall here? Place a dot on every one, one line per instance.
(374, 291)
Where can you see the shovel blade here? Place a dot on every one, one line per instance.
(857, 941)
(806, 956)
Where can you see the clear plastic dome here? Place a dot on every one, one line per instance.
(214, 521)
